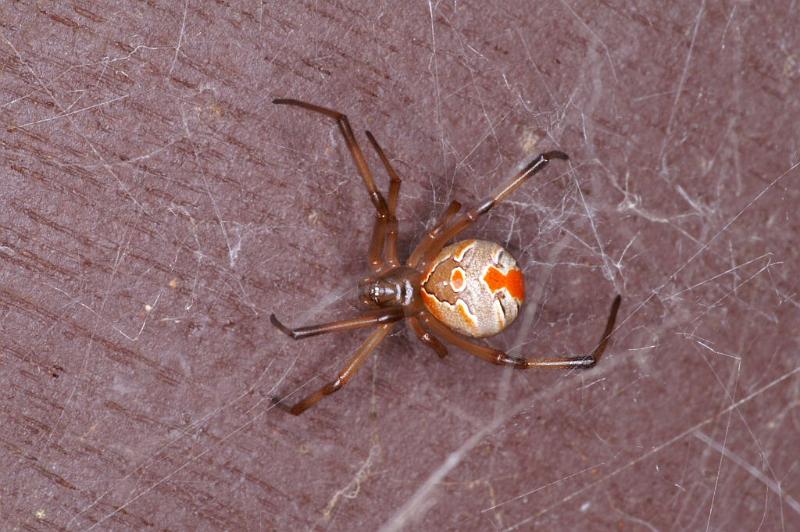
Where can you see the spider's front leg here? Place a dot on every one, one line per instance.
(383, 318)
(358, 359)
(370, 317)
(384, 233)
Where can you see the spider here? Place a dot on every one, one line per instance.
(468, 289)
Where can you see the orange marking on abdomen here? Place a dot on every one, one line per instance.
(460, 251)
(465, 314)
(512, 281)
(457, 279)
(432, 304)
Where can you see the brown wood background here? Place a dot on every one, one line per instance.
(156, 208)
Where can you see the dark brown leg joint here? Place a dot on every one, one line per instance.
(503, 359)
(555, 154)
(282, 328)
(333, 386)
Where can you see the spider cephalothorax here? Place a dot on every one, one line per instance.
(399, 287)
(469, 289)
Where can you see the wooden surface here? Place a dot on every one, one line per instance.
(156, 208)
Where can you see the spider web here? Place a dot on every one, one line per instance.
(158, 208)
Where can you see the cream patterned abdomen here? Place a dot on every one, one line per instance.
(474, 287)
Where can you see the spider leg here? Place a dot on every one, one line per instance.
(389, 229)
(372, 317)
(383, 213)
(358, 359)
(427, 338)
(431, 236)
(375, 252)
(496, 356)
(470, 217)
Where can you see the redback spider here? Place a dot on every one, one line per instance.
(472, 288)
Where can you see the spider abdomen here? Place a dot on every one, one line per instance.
(474, 287)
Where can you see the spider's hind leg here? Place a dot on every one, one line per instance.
(496, 356)
(427, 338)
(431, 249)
